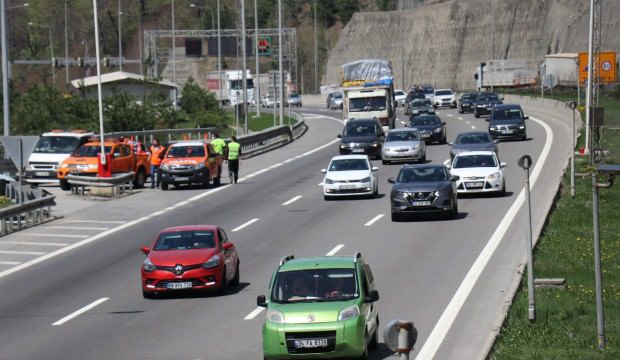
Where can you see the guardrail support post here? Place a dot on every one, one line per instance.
(3, 229)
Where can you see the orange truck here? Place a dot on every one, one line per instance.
(126, 157)
(190, 162)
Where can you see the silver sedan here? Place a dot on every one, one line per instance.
(403, 145)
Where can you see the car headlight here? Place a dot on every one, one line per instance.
(403, 194)
(165, 167)
(480, 106)
(521, 127)
(365, 180)
(275, 316)
(415, 111)
(63, 166)
(349, 313)
(494, 176)
(438, 130)
(92, 166)
(493, 128)
(199, 165)
(415, 147)
(148, 265)
(329, 181)
(342, 146)
(211, 263)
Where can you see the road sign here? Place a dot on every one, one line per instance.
(606, 69)
(263, 46)
(19, 148)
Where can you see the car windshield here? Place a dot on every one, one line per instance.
(90, 151)
(422, 174)
(348, 165)
(488, 97)
(186, 240)
(56, 144)
(424, 121)
(337, 95)
(443, 92)
(238, 84)
(464, 139)
(428, 90)
(399, 93)
(374, 103)
(421, 103)
(507, 114)
(469, 96)
(402, 136)
(366, 129)
(186, 151)
(293, 96)
(314, 285)
(474, 161)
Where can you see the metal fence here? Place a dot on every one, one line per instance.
(35, 208)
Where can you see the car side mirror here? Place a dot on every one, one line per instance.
(261, 301)
(495, 141)
(526, 117)
(145, 249)
(339, 136)
(228, 246)
(502, 165)
(454, 178)
(392, 181)
(450, 143)
(372, 296)
(323, 171)
(374, 168)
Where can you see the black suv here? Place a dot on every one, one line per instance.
(485, 102)
(362, 136)
(467, 102)
(507, 121)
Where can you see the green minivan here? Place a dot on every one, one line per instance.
(320, 308)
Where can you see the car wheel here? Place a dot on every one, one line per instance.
(385, 162)
(149, 294)
(396, 217)
(374, 342)
(140, 179)
(461, 111)
(524, 137)
(164, 185)
(224, 283)
(327, 197)
(454, 212)
(423, 160)
(235, 281)
(476, 115)
(64, 185)
(375, 193)
(502, 192)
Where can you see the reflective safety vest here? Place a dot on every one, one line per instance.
(218, 145)
(155, 153)
(233, 150)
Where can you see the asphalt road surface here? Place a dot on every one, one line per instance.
(71, 288)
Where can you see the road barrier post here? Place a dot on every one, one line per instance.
(525, 162)
(400, 336)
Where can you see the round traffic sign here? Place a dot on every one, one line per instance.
(606, 65)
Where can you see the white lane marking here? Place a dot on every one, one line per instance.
(254, 313)
(9, 263)
(33, 243)
(335, 250)
(468, 122)
(80, 311)
(157, 213)
(443, 325)
(403, 123)
(244, 225)
(373, 220)
(460, 118)
(292, 200)
(450, 115)
(97, 221)
(21, 252)
(54, 235)
(473, 126)
(313, 117)
(75, 227)
(142, 219)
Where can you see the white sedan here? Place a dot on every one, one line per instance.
(478, 172)
(349, 175)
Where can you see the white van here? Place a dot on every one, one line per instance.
(52, 148)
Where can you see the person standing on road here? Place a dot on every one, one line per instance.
(155, 159)
(219, 146)
(234, 152)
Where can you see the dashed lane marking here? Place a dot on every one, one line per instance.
(11, 252)
(80, 311)
(254, 313)
(9, 263)
(373, 220)
(335, 250)
(33, 243)
(460, 118)
(473, 126)
(292, 200)
(450, 115)
(244, 225)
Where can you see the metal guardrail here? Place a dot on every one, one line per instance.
(32, 212)
(168, 132)
(119, 183)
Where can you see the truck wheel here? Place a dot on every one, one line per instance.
(140, 179)
(64, 185)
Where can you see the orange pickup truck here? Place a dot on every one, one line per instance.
(83, 161)
(190, 162)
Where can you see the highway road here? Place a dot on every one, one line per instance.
(71, 287)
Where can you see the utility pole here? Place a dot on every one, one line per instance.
(316, 55)
(256, 77)
(5, 73)
(280, 72)
(66, 47)
(244, 85)
(219, 50)
(174, 58)
(120, 38)
(492, 62)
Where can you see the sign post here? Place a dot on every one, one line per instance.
(525, 162)
(19, 148)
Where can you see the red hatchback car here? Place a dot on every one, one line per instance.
(194, 257)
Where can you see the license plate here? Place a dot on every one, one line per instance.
(347, 187)
(477, 184)
(357, 150)
(310, 343)
(179, 285)
(506, 131)
(181, 178)
(421, 203)
(41, 173)
(424, 136)
(81, 167)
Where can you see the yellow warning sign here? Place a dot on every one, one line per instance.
(606, 67)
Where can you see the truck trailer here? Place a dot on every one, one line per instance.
(232, 86)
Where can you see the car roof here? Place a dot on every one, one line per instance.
(421, 166)
(189, 228)
(507, 106)
(105, 143)
(402, 129)
(189, 143)
(319, 262)
(443, 89)
(362, 120)
(477, 152)
(472, 133)
(347, 157)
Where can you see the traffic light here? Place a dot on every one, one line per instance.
(106, 62)
(55, 62)
(263, 46)
(80, 62)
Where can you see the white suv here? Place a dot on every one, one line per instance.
(444, 97)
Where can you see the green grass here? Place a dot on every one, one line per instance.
(263, 122)
(5, 201)
(565, 327)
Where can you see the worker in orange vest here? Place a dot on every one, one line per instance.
(155, 159)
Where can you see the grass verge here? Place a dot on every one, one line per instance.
(565, 327)
(263, 122)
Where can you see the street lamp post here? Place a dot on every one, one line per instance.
(244, 85)
(174, 58)
(99, 96)
(120, 39)
(66, 46)
(280, 60)
(219, 50)
(257, 78)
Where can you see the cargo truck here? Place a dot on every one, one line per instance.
(232, 86)
(368, 91)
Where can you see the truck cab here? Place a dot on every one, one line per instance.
(368, 103)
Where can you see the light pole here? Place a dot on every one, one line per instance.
(5, 68)
(174, 58)
(66, 47)
(219, 50)
(316, 55)
(525, 162)
(51, 45)
(120, 39)
(257, 77)
(493, 41)
(100, 100)
(244, 85)
(280, 60)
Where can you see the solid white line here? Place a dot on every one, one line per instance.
(54, 235)
(21, 252)
(131, 223)
(373, 220)
(33, 243)
(335, 250)
(254, 313)
(97, 221)
(80, 311)
(75, 227)
(443, 325)
(292, 200)
(245, 225)
(9, 263)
